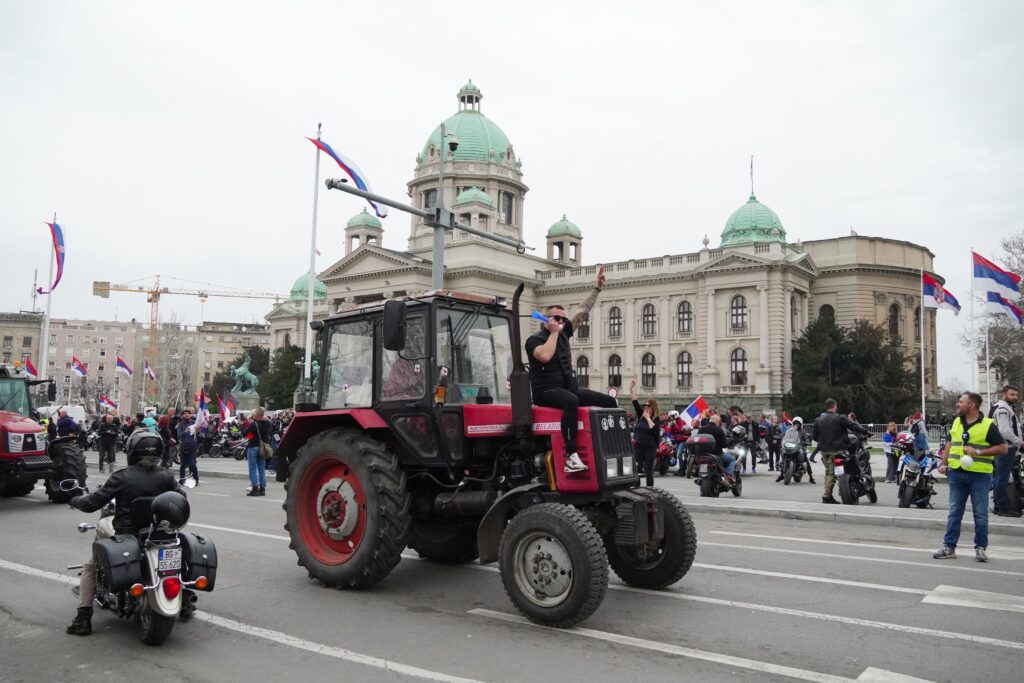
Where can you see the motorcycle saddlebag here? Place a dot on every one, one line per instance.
(118, 562)
(200, 556)
(700, 444)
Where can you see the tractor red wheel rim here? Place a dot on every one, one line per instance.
(330, 494)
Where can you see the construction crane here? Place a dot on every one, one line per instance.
(155, 291)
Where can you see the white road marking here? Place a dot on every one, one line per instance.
(668, 648)
(204, 493)
(813, 579)
(967, 597)
(999, 554)
(873, 675)
(937, 564)
(275, 636)
(240, 531)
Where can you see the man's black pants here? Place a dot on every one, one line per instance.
(569, 402)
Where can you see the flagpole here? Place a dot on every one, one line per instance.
(142, 399)
(924, 412)
(307, 372)
(974, 351)
(45, 360)
(988, 369)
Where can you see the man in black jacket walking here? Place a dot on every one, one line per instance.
(107, 431)
(831, 431)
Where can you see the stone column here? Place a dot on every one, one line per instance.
(596, 362)
(787, 338)
(711, 371)
(761, 373)
(807, 312)
(629, 330)
(664, 332)
(763, 314)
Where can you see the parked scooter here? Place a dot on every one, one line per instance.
(853, 472)
(150, 576)
(708, 470)
(917, 481)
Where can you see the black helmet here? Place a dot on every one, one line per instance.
(739, 431)
(143, 444)
(170, 511)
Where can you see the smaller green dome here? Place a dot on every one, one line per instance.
(565, 227)
(753, 222)
(364, 220)
(300, 290)
(470, 87)
(473, 194)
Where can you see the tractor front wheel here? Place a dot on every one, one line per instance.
(347, 509)
(660, 567)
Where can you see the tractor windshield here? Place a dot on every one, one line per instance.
(14, 396)
(477, 350)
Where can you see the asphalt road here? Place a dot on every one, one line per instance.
(768, 599)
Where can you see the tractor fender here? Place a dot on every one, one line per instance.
(306, 425)
(488, 534)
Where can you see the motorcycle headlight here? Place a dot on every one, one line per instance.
(627, 467)
(611, 468)
(913, 466)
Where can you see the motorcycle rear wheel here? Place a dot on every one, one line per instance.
(737, 489)
(155, 627)
(846, 491)
(708, 489)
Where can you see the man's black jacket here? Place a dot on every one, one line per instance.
(831, 429)
(126, 485)
(108, 432)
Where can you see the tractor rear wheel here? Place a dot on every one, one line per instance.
(443, 540)
(673, 557)
(347, 509)
(553, 565)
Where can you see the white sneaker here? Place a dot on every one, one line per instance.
(574, 464)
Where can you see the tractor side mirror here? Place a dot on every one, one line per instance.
(394, 325)
(51, 392)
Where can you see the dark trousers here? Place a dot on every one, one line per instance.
(1003, 466)
(773, 454)
(569, 402)
(645, 455)
(188, 460)
(106, 454)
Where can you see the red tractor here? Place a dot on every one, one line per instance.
(23, 457)
(421, 434)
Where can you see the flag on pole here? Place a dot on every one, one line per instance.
(853, 233)
(107, 403)
(148, 369)
(1001, 306)
(223, 408)
(696, 409)
(229, 402)
(988, 277)
(353, 171)
(78, 367)
(934, 295)
(30, 369)
(121, 366)
(202, 414)
(58, 251)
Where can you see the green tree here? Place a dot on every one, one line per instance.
(259, 366)
(277, 387)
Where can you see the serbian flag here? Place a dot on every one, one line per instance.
(989, 277)
(78, 367)
(934, 295)
(202, 414)
(1001, 306)
(107, 403)
(148, 369)
(223, 408)
(58, 250)
(121, 366)
(349, 167)
(695, 409)
(30, 369)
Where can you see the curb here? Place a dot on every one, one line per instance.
(214, 474)
(906, 522)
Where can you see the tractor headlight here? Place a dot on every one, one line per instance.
(611, 468)
(627, 466)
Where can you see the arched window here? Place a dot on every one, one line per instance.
(583, 372)
(614, 370)
(684, 370)
(738, 312)
(684, 318)
(650, 319)
(615, 322)
(738, 367)
(584, 331)
(648, 375)
(827, 311)
(794, 315)
(894, 320)
(917, 324)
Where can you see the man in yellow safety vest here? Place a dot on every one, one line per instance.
(974, 442)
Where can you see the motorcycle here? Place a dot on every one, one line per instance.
(665, 456)
(916, 480)
(149, 577)
(794, 462)
(708, 470)
(853, 472)
(235, 448)
(92, 441)
(1015, 487)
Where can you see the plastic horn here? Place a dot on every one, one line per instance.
(540, 316)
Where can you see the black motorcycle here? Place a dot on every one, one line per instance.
(707, 468)
(793, 466)
(853, 472)
(1015, 486)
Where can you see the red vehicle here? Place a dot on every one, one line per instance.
(421, 434)
(23, 458)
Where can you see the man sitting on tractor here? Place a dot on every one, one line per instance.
(551, 372)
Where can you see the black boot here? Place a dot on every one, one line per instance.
(811, 480)
(82, 624)
(253, 492)
(829, 500)
(263, 490)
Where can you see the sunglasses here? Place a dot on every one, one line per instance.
(559, 318)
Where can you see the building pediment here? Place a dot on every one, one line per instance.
(734, 260)
(369, 259)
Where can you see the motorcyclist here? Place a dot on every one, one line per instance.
(714, 428)
(142, 477)
(830, 431)
(796, 434)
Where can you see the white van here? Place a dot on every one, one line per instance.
(77, 413)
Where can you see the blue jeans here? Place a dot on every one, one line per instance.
(1004, 463)
(961, 485)
(729, 461)
(257, 468)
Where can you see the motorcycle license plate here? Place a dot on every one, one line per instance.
(170, 558)
(839, 470)
(704, 469)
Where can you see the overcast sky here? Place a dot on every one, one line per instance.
(168, 137)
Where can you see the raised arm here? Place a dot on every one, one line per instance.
(583, 311)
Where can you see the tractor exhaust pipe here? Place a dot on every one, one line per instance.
(519, 382)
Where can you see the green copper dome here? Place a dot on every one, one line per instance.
(364, 220)
(473, 194)
(565, 227)
(753, 222)
(300, 290)
(477, 134)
